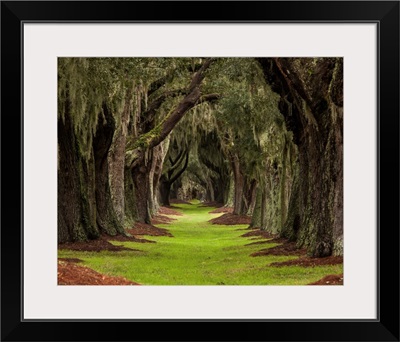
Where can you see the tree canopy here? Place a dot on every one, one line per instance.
(251, 133)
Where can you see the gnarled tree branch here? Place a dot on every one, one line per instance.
(188, 102)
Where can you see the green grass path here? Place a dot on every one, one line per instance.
(200, 253)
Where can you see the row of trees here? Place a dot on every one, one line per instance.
(262, 135)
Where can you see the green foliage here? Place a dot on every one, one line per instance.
(248, 107)
(86, 84)
(249, 119)
(244, 122)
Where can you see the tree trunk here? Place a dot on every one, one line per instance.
(219, 189)
(226, 192)
(163, 149)
(245, 190)
(210, 190)
(129, 199)
(238, 179)
(256, 217)
(283, 183)
(238, 197)
(152, 199)
(76, 201)
(141, 184)
(322, 194)
(117, 160)
(172, 175)
(107, 219)
(251, 197)
(165, 191)
(263, 211)
(229, 193)
(174, 192)
(315, 88)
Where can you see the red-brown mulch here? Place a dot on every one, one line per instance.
(249, 228)
(258, 232)
(148, 229)
(161, 219)
(212, 204)
(278, 240)
(263, 242)
(170, 210)
(178, 201)
(98, 245)
(71, 274)
(231, 219)
(331, 279)
(288, 248)
(310, 262)
(222, 210)
(122, 238)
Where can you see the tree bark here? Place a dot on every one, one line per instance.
(291, 227)
(188, 102)
(314, 87)
(169, 177)
(251, 196)
(263, 213)
(76, 200)
(210, 191)
(229, 193)
(107, 219)
(244, 189)
(117, 160)
(238, 179)
(129, 198)
(165, 191)
(256, 217)
(154, 177)
(157, 175)
(140, 177)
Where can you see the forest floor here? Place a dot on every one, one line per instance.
(194, 245)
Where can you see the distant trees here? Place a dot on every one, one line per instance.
(174, 168)
(263, 135)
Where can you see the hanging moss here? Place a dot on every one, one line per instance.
(245, 121)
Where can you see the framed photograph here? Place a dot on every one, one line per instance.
(200, 127)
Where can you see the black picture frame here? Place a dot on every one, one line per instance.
(384, 13)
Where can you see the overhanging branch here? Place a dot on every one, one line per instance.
(211, 98)
(181, 170)
(188, 102)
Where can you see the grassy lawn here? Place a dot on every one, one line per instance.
(200, 253)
